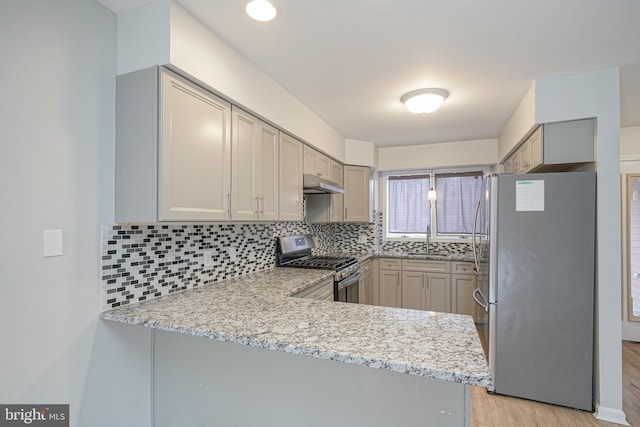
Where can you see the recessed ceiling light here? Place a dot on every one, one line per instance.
(261, 10)
(424, 101)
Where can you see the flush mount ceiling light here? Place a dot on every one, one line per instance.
(423, 101)
(261, 10)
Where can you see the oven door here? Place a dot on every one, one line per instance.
(346, 290)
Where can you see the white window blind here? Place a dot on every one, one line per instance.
(457, 196)
(407, 204)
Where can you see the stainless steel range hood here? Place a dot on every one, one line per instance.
(313, 184)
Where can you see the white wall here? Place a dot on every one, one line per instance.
(520, 123)
(597, 94)
(450, 154)
(147, 38)
(362, 153)
(630, 141)
(56, 166)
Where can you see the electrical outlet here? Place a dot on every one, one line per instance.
(208, 258)
(362, 239)
(232, 254)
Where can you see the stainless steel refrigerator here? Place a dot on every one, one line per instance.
(535, 261)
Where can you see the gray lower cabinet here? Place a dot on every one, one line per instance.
(390, 292)
(364, 285)
(413, 290)
(425, 285)
(438, 292)
(426, 291)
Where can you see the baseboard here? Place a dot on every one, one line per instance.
(611, 415)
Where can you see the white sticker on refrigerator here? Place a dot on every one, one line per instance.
(530, 196)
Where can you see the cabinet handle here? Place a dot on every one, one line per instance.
(229, 204)
(261, 211)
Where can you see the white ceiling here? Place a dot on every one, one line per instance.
(350, 61)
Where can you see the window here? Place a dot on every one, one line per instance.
(409, 212)
(408, 208)
(457, 196)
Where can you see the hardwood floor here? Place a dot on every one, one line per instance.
(497, 411)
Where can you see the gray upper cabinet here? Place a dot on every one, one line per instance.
(555, 147)
(254, 167)
(173, 150)
(337, 200)
(358, 186)
(290, 183)
(316, 163)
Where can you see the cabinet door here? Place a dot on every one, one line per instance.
(194, 174)
(316, 163)
(323, 166)
(438, 292)
(244, 166)
(413, 289)
(364, 288)
(506, 167)
(374, 292)
(290, 183)
(268, 172)
(525, 158)
(462, 287)
(357, 194)
(535, 148)
(309, 160)
(337, 200)
(515, 163)
(390, 292)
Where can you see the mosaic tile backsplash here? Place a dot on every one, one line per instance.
(145, 261)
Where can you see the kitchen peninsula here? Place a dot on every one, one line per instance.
(400, 367)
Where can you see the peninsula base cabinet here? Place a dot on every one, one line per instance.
(244, 377)
(425, 285)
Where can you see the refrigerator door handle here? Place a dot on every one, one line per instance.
(479, 299)
(476, 265)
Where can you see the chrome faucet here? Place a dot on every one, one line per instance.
(428, 236)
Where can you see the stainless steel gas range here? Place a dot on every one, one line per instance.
(295, 251)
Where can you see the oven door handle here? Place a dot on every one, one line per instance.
(348, 281)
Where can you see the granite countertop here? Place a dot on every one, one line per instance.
(257, 310)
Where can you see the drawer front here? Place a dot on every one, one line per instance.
(426, 265)
(458, 267)
(390, 264)
(365, 266)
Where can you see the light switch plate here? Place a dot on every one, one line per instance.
(362, 239)
(52, 243)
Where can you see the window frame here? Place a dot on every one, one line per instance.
(384, 189)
